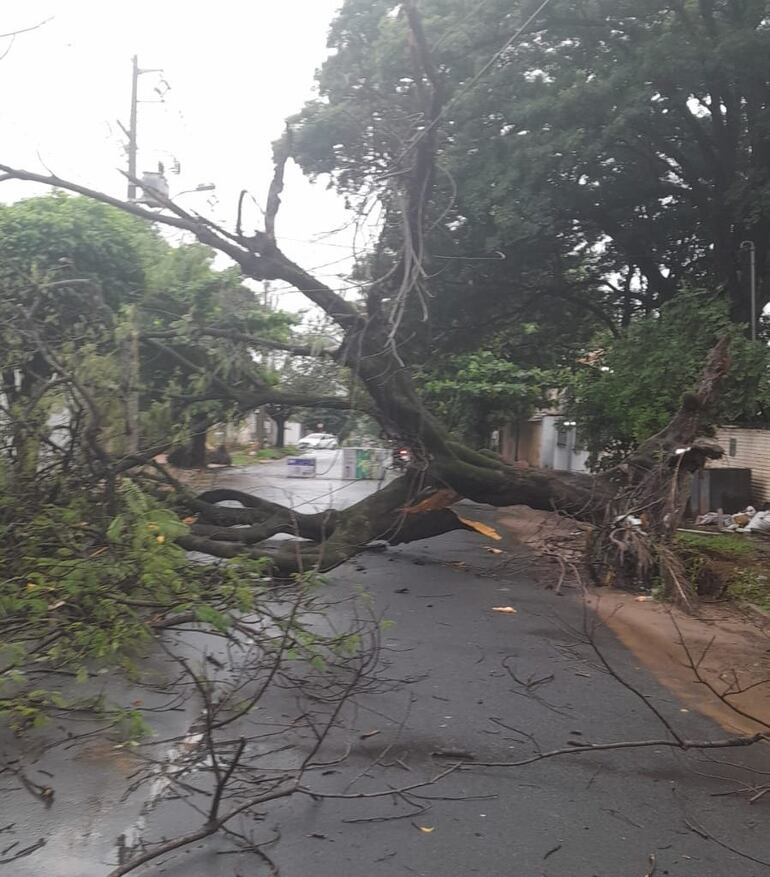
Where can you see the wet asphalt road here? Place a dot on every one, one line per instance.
(465, 679)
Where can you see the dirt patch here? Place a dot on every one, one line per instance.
(198, 479)
(558, 542)
(730, 646)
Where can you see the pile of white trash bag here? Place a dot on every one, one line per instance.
(747, 521)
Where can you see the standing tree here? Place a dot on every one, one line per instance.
(612, 151)
(68, 269)
(628, 388)
(209, 375)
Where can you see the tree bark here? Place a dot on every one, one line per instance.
(198, 443)
(322, 540)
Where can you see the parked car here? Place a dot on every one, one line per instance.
(317, 441)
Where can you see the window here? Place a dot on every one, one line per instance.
(733, 449)
(561, 437)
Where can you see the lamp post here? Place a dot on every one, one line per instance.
(161, 187)
(751, 247)
(201, 187)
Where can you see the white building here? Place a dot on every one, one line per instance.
(547, 440)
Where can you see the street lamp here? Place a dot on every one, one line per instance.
(155, 181)
(201, 187)
(751, 247)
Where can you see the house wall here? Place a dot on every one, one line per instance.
(538, 444)
(508, 442)
(548, 450)
(244, 433)
(530, 435)
(293, 432)
(521, 442)
(565, 456)
(749, 449)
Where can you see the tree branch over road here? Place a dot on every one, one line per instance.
(372, 348)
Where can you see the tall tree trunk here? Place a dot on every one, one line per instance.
(193, 454)
(198, 429)
(280, 430)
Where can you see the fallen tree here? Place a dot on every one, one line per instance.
(650, 487)
(650, 484)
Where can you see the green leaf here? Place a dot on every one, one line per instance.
(318, 663)
(209, 615)
(115, 529)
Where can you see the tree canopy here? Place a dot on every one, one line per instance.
(614, 153)
(627, 389)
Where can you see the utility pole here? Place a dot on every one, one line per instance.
(751, 247)
(261, 420)
(132, 146)
(130, 133)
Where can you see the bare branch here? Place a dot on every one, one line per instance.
(259, 394)
(204, 832)
(685, 745)
(281, 153)
(257, 256)
(244, 337)
(16, 33)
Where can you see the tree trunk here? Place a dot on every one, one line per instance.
(653, 483)
(193, 454)
(198, 429)
(280, 430)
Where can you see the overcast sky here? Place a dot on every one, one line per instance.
(236, 69)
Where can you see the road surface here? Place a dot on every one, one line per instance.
(466, 682)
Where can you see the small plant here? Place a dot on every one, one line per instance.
(244, 458)
(84, 590)
(751, 586)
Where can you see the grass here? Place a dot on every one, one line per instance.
(728, 565)
(728, 545)
(243, 458)
(751, 586)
